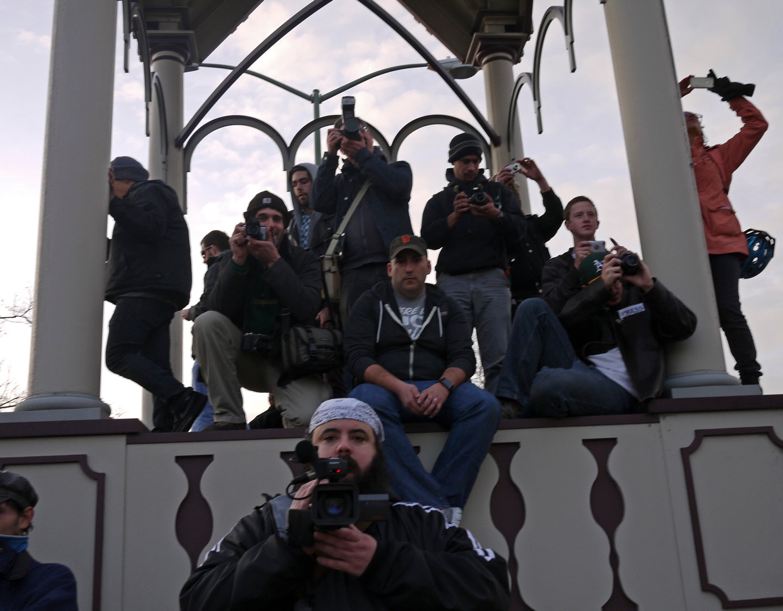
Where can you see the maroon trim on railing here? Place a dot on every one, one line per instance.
(698, 541)
(608, 509)
(193, 523)
(100, 484)
(70, 428)
(605, 420)
(507, 510)
(716, 404)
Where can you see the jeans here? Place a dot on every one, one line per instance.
(543, 374)
(206, 417)
(137, 348)
(472, 416)
(725, 278)
(486, 301)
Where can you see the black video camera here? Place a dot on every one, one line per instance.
(254, 229)
(352, 127)
(337, 503)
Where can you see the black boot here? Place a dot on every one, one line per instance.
(185, 408)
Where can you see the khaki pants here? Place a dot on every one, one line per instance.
(226, 370)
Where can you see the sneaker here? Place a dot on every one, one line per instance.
(185, 408)
(227, 426)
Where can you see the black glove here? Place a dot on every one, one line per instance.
(728, 90)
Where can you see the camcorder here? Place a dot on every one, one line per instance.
(334, 504)
(351, 126)
(254, 229)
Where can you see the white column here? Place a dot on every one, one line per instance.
(66, 341)
(498, 87)
(665, 196)
(166, 163)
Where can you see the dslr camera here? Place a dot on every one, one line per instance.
(254, 229)
(476, 195)
(630, 263)
(351, 125)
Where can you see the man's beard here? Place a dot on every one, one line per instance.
(375, 479)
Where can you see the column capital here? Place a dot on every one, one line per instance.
(179, 42)
(498, 35)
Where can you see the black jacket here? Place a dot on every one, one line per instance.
(150, 247)
(421, 563)
(474, 243)
(294, 279)
(530, 253)
(210, 277)
(640, 333)
(376, 335)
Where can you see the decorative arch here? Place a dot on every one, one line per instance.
(417, 124)
(564, 15)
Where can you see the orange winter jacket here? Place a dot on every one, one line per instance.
(713, 167)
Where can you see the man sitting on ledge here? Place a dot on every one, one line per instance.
(604, 354)
(410, 345)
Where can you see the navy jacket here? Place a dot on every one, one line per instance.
(28, 585)
(387, 197)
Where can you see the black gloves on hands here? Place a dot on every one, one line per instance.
(728, 90)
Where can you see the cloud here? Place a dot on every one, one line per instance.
(39, 42)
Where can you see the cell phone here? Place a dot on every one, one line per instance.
(597, 245)
(702, 82)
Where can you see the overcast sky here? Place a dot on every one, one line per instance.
(580, 151)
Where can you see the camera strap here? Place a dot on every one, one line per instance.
(330, 262)
(337, 237)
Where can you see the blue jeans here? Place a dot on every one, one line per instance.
(543, 374)
(207, 416)
(472, 416)
(486, 301)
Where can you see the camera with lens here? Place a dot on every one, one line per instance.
(338, 503)
(476, 195)
(254, 229)
(630, 263)
(352, 127)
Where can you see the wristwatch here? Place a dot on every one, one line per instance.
(447, 384)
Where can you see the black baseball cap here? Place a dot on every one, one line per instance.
(14, 487)
(407, 242)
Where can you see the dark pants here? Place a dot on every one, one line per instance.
(138, 349)
(725, 278)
